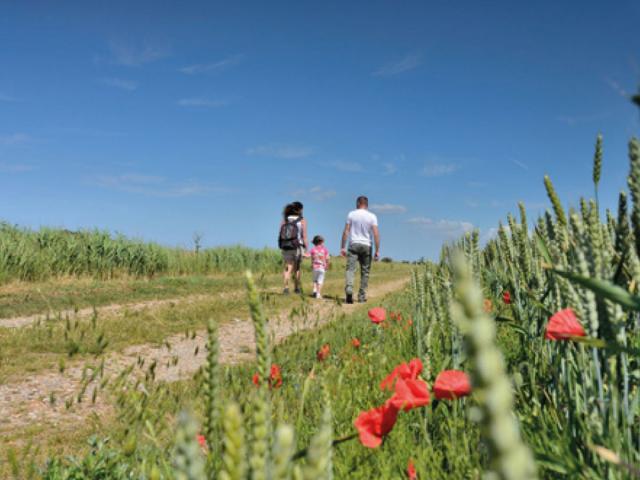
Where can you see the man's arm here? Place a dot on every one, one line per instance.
(304, 235)
(376, 238)
(343, 243)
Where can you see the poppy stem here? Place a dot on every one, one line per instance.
(302, 453)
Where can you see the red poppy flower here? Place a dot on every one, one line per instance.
(405, 371)
(397, 316)
(202, 441)
(323, 353)
(275, 377)
(355, 342)
(411, 471)
(377, 315)
(563, 325)
(451, 384)
(410, 394)
(506, 297)
(374, 424)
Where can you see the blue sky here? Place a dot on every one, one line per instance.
(167, 118)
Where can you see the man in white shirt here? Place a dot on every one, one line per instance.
(361, 226)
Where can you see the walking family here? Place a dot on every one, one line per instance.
(359, 236)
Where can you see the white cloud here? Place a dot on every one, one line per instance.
(154, 186)
(317, 193)
(389, 168)
(14, 139)
(214, 67)
(405, 64)
(120, 83)
(439, 169)
(134, 56)
(15, 167)
(520, 164)
(442, 228)
(202, 102)
(286, 152)
(388, 208)
(346, 166)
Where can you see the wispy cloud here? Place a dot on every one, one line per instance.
(7, 98)
(317, 193)
(214, 67)
(520, 164)
(439, 169)
(616, 87)
(120, 83)
(15, 167)
(130, 55)
(442, 228)
(155, 186)
(409, 62)
(349, 167)
(14, 139)
(388, 208)
(201, 102)
(282, 151)
(389, 168)
(572, 120)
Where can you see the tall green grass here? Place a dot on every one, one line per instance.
(33, 255)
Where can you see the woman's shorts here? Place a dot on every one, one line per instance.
(292, 256)
(318, 276)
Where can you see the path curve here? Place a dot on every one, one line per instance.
(43, 398)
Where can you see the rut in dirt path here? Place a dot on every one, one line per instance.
(30, 402)
(112, 309)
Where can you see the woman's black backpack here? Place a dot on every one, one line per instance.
(289, 238)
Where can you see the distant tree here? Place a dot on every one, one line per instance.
(197, 241)
(386, 260)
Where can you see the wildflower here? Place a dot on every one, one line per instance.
(323, 353)
(355, 342)
(397, 316)
(488, 305)
(506, 297)
(563, 325)
(411, 471)
(451, 384)
(374, 424)
(405, 371)
(202, 441)
(275, 377)
(377, 315)
(410, 394)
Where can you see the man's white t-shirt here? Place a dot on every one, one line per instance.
(361, 222)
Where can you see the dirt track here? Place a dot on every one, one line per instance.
(30, 401)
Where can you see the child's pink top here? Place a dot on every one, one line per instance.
(319, 257)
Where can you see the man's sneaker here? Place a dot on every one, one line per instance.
(362, 300)
(285, 291)
(297, 290)
(349, 298)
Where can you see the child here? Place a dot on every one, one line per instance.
(320, 262)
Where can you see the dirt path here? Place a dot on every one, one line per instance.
(113, 309)
(51, 398)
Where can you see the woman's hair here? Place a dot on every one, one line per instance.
(290, 210)
(317, 240)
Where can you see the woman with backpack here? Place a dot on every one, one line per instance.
(292, 240)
